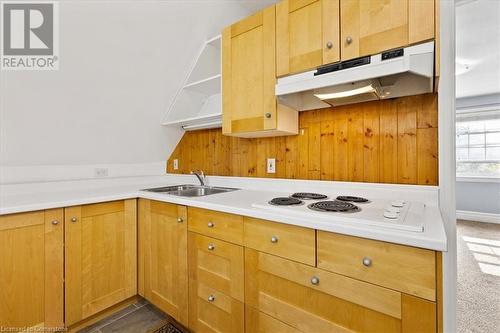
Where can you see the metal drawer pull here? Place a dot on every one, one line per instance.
(315, 280)
(211, 298)
(55, 222)
(211, 247)
(180, 220)
(274, 239)
(367, 261)
(211, 224)
(74, 219)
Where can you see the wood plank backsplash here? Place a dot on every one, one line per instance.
(390, 141)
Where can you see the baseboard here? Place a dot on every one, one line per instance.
(478, 216)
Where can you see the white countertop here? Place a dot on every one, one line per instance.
(16, 198)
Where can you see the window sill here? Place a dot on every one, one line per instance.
(478, 179)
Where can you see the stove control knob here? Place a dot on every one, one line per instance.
(274, 239)
(390, 215)
(393, 209)
(398, 203)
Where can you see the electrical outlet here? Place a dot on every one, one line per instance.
(176, 164)
(101, 172)
(271, 165)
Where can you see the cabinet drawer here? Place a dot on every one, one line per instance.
(314, 300)
(283, 240)
(407, 269)
(228, 227)
(213, 311)
(217, 264)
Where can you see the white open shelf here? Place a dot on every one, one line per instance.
(198, 103)
(209, 86)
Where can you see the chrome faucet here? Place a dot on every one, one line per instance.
(200, 175)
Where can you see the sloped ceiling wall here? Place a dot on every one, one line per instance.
(121, 63)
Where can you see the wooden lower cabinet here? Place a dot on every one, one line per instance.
(163, 266)
(31, 270)
(216, 285)
(100, 257)
(313, 300)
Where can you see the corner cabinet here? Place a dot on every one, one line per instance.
(163, 266)
(100, 257)
(307, 35)
(249, 107)
(31, 271)
(370, 27)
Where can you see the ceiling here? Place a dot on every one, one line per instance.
(477, 48)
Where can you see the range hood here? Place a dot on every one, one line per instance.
(396, 73)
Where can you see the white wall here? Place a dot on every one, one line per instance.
(121, 63)
(478, 87)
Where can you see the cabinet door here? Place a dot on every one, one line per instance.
(307, 34)
(249, 74)
(165, 257)
(101, 257)
(369, 27)
(31, 270)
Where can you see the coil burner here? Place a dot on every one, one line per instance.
(334, 206)
(308, 196)
(352, 199)
(285, 201)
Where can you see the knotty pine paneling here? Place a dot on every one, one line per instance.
(390, 141)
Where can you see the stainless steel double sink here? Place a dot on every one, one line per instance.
(190, 190)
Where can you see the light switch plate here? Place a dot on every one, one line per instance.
(271, 165)
(176, 164)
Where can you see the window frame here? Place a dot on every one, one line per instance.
(483, 113)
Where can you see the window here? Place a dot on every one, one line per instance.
(478, 145)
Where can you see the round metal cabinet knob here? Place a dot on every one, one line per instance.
(180, 220)
(348, 40)
(329, 45)
(55, 222)
(211, 247)
(268, 115)
(367, 261)
(211, 224)
(74, 219)
(315, 280)
(211, 298)
(274, 239)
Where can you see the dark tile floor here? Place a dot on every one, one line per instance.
(136, 318)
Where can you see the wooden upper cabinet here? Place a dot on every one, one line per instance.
(31, 270)
(307, 34)
(163, 265)
(101, 257)
(370, 27)
(249, 107)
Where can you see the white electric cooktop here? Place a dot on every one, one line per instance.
(395, 214)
